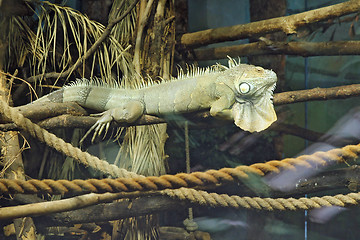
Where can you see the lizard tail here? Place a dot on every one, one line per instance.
(57, 96)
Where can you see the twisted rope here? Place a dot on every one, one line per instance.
(60, 145)
(268, 204)
(194, 179)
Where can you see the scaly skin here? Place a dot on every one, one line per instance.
(241, 92)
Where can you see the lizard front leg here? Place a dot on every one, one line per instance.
(127, 112)
(221, 107)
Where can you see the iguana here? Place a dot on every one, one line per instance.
(241, 92)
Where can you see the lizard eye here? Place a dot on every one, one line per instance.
(259, 69)
(244, 88)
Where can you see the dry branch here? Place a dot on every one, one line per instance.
(144, 15)
(317, 94)
(41, 207)
(87, 121)
(343, 178)
(70, 121)
(296, 131)
(59, 115)
(46, 110)
(305, 49)
(288, 24)
(45, 208)
(112, 211)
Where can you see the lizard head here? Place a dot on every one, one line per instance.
(253, 109)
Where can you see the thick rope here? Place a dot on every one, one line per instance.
(194, 179)
(268, 204)
(60, 145)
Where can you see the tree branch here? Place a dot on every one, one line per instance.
(67, 110)
(288, 24)
(321, 180)
(70, 121)
(317, 94)
(48, 207)
(89, 52)
(267, 47)
(37, 112)
(112, 211)
(87, 121)
(46, 110)
(296, 131)
(144, 16)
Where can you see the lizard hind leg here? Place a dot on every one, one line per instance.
(125, 113)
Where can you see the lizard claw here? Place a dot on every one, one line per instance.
(99, 129)
(126, 113)
(99, 126)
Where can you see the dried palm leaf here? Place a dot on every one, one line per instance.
(64, 34)
(19, 39)
(125, 29)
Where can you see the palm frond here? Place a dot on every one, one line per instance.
(125, 29)
(146, 154)
(19, 38)
(64, 34)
